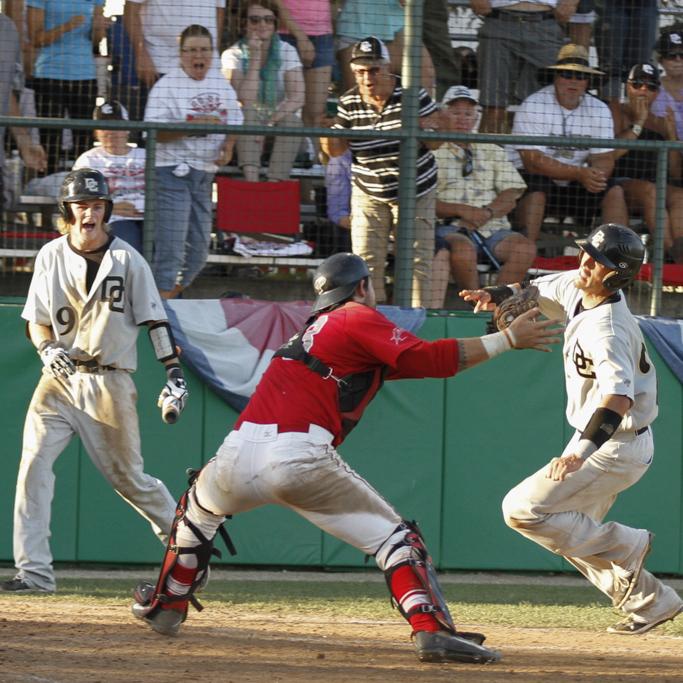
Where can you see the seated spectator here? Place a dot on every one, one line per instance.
(186, 161)
(516, 39)
(636, 170)
(267, 76)
(375, 103)
(670, 95)
(153, 27)
(567, 181)
(308, 27)
(625, 34)
(124, 168)
(64, 75)
(383, 19)
(477, 187)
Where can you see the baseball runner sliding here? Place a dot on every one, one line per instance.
(89, 294)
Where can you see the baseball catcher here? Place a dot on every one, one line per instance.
(282, 450)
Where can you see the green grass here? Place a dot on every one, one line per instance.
(537, 606)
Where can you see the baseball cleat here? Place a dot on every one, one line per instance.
(164, 621)
(624, 587)
(472, 636)
(17, 585)
(634, 627)
(441, 646)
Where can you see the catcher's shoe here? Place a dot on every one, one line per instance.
(17, 585)
(164, 621)
(441, 646)
(624, 587)
(631, 626)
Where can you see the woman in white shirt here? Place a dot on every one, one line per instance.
(186, 162)
(267, 75)
(123, 165)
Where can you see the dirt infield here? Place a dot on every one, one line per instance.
(50, 640)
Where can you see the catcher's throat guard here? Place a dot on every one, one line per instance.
(149, 598)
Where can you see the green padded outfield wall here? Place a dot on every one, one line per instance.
(443, 452)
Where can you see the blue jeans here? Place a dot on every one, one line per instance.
(129, 231)
(182, 226)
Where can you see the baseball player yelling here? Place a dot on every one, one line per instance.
(283, 450)
(611, 402)
(89, 294)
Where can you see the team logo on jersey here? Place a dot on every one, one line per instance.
(644, 363)
(582, 362)
(397, 336)
(113, 291)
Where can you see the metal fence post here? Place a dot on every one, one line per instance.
(410, 103)
(150, 195)
(660, 220)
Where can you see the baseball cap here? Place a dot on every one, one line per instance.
(644, 72)
(458, 92)
(370, 49)
(111, 110)
(670, 41)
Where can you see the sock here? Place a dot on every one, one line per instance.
(179, 583)
(409, 592)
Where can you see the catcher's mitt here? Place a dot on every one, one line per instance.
(514, 306)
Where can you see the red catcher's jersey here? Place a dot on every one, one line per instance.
(351, 339)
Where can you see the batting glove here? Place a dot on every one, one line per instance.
(56, 359)
(174, 395)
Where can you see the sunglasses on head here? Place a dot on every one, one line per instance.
(573, 75)
(468, 164)
(256, 19)
(638, 84)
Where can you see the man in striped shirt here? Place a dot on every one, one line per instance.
(375, 104)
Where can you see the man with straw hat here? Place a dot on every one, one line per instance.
(567, 181)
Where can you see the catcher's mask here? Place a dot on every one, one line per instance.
(618, 248)
(336, 279)
(85, 184)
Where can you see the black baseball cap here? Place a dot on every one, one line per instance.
(670, 41)
(646, 73)
(111, 110)
(370, 49)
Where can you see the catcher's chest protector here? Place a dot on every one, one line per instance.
(355, 391)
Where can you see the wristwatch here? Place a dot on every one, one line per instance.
(637, 129)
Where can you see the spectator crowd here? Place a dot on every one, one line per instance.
(572, 69)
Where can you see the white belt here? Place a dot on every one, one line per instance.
(262, 433)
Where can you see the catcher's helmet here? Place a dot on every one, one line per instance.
(336, 278)
(618, 248)
(83, 185)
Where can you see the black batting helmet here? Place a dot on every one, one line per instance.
(618, 248)
(336, 278)
(83, 185)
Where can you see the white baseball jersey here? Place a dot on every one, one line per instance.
(100, 324)
(604, 353)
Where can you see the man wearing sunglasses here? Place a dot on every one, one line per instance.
(567, 181)
(476, 189)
